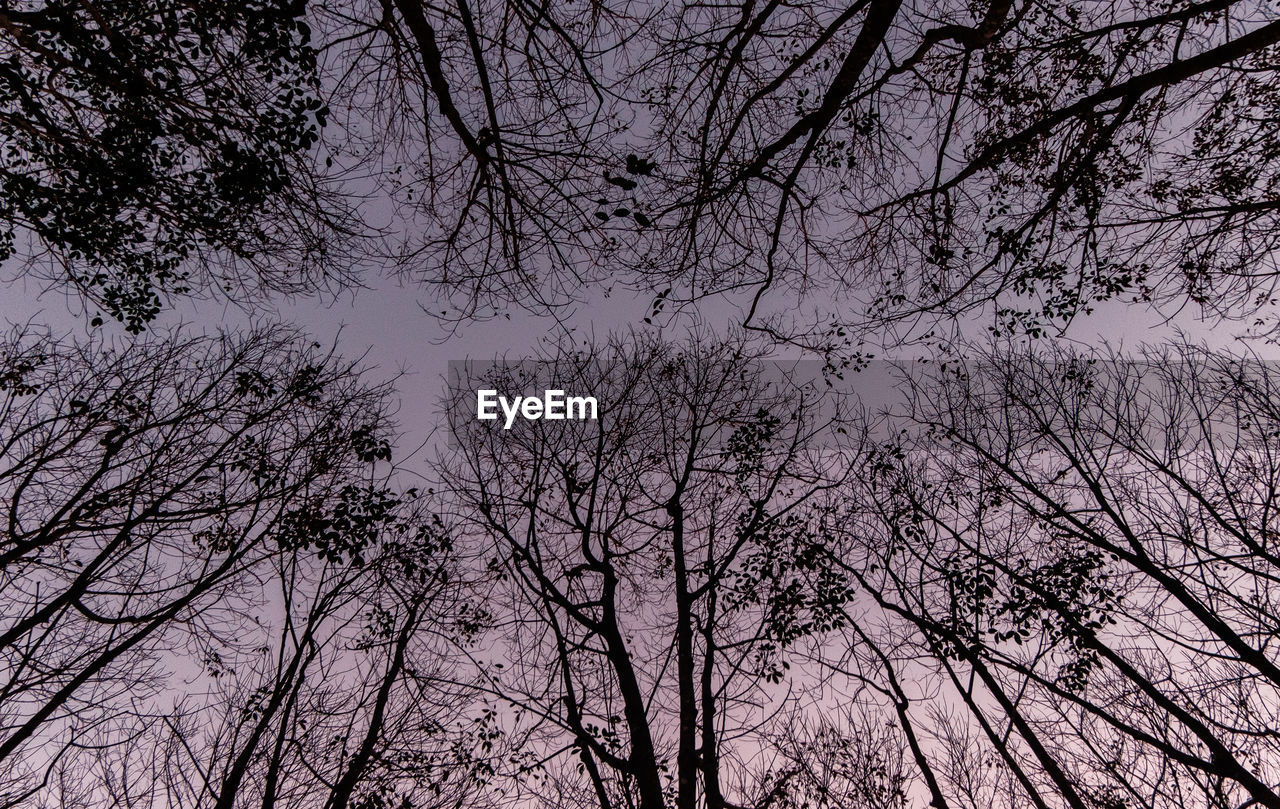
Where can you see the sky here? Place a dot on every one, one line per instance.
(387, 325)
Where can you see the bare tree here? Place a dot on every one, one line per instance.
(650, 574)
(1024, 160)
(914, 163)
(209, 598)
(1046, 582)
(887, 166)
(1072, 572)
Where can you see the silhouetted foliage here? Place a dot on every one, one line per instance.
(167, 634)
(910, 164)
(1073, 552)
(649, 576)
(155, 148)
(1043, 580)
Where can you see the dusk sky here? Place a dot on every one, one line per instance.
(904, 430)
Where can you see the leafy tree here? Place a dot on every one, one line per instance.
(150, 149)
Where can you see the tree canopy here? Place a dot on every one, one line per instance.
(1021, 572)
(883, 166)
(914, 163)
(147, 143)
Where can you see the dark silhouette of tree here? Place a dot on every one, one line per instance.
(152, 149)
(1074, 554)
(209, 598)
(889, 167)
(1045, 581)
(650, 574)
(1020, 160)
